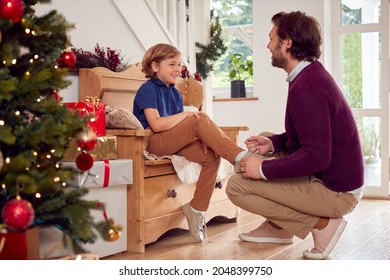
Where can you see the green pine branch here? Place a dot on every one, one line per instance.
(35, 128)
(211, 52)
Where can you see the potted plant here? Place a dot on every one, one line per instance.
(370, 139)
(370, 136)
(240, 69)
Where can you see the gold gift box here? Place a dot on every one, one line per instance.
(106, 149)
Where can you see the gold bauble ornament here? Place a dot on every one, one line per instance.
(110, 231)
(113, 233)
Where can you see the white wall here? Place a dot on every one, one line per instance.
(266, 114)
(100, 22)
(96, 22)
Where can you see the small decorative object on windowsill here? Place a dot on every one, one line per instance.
(240, 70)
(99, 57)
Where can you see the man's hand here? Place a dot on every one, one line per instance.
(259, 144)
(250, 167)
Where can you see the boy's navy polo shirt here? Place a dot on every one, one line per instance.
(155, 94)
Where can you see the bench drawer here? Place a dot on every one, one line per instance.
(156, 199)
(158, 203)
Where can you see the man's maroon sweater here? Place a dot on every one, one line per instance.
(320, 135)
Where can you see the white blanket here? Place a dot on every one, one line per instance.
(187, 171)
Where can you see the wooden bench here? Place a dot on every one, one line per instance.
(156, 197)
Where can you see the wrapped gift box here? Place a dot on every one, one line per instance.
(52, 245)
(106, 149)
(115, 201)
(96, 112)
(103, 173)
(23, 245)
(109, 188)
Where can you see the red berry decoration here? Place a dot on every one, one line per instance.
(67, 59)
(87, 139)
(84, 161)
(197, 77)
(184, 72)
(11, 9)
(18, 214)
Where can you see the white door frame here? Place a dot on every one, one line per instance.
(383, 112)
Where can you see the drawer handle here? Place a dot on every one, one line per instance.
(172, 193)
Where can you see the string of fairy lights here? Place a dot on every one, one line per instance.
(14, 10)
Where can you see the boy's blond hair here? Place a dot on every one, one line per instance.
(157, 53)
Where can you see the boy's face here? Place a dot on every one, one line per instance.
(168, 69)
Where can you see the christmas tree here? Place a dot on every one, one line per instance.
(35, 128)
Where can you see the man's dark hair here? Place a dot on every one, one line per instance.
(303, 30)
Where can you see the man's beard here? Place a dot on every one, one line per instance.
(277, 59)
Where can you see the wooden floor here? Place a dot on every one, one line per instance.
(366, 237)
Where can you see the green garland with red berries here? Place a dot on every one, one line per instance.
(211, 52)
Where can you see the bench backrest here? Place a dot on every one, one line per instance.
(118, 89)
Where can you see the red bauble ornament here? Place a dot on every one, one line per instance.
(55, 95)
(18, 214)
(84, 161)
(87, 139)
(67, 59)
(11, 9)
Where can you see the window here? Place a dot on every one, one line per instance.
(362, 29)
(236, 20)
